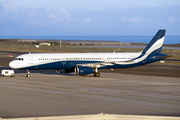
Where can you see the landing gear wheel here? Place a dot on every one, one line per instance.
(97, 74)
(28, 75)
(83, 74)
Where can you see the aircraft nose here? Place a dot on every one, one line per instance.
(12, 64)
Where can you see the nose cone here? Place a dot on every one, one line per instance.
(13, 65)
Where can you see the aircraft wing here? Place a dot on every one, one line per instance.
(109, 63)
(98, 65)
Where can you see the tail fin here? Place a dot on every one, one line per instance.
(155, 46)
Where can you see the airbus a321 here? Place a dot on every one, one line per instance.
(88, 63)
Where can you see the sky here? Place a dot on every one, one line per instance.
(88, 17)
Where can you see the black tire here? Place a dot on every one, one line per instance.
(83, 74)
(28, 75)
(97, 74)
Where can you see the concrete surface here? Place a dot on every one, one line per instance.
(99, 117)
(48, 93)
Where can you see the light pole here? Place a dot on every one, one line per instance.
(60, 43)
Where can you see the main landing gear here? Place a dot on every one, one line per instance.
(28, 74)
(96, 73)
(83, 74)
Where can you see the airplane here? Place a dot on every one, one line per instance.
(88, 63)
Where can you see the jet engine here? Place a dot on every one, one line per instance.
(83, 70)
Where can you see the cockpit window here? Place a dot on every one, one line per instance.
(19, 59)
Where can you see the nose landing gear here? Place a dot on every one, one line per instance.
(28, 74)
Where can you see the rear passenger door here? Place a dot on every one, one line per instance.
(30, 59)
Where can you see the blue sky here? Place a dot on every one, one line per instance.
(88, 17)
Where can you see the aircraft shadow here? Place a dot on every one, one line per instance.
(47, 72)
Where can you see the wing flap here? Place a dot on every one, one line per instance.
(107, 63)
(125, 62)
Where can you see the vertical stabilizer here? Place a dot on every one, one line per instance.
(155, 46)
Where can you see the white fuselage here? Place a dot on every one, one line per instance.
(27, 60)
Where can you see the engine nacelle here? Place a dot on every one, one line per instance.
(65, 71)
(83, 70)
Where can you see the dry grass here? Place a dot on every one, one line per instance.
(27, 47)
